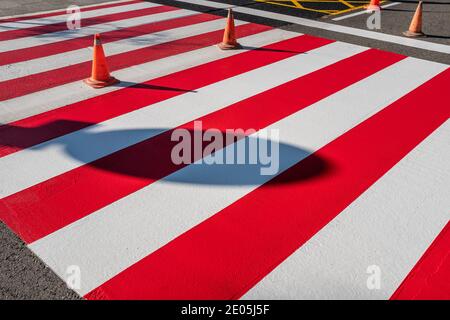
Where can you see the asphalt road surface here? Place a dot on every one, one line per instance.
(394, 20)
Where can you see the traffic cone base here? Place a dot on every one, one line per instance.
(372, 7)
(96, 84)
(414, 34)
(229, 46)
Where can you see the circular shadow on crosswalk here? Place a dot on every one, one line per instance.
(239, 163)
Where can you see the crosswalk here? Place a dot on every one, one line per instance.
(87, 178)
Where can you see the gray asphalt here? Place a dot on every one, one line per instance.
(24, 276)
(394, 21)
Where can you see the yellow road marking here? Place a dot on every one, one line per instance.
(346, 3)
(297, 4)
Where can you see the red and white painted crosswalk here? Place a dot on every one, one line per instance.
(87, 178)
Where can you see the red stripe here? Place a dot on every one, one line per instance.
(227, 254)
(430, 278)
(36, 129)
(21, 86)
(137, 166)
(57, 13)
(61, 26)
(49, 49)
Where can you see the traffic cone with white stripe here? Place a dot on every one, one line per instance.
(415, 28)
(229, 37)
(100, 76)
(373, 5)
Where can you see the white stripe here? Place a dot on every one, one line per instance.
(64, 59)
(31, 104)
(113, 238)
(328, 26)
(92, 143)
(28, 42)
(58, 10)
(363, 11)
(8, 26)
(389, 226)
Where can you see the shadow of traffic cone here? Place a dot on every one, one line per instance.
(373, 5)
(229, 37)
(100, 76)
(415, 28)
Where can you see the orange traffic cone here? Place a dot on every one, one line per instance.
(373, 5)
(229, 38)
(415, 28)
(100, 74)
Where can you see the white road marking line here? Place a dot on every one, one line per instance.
(363, 11)
(390, 226)
(24, 24)
(29, 42)
(58, 10)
